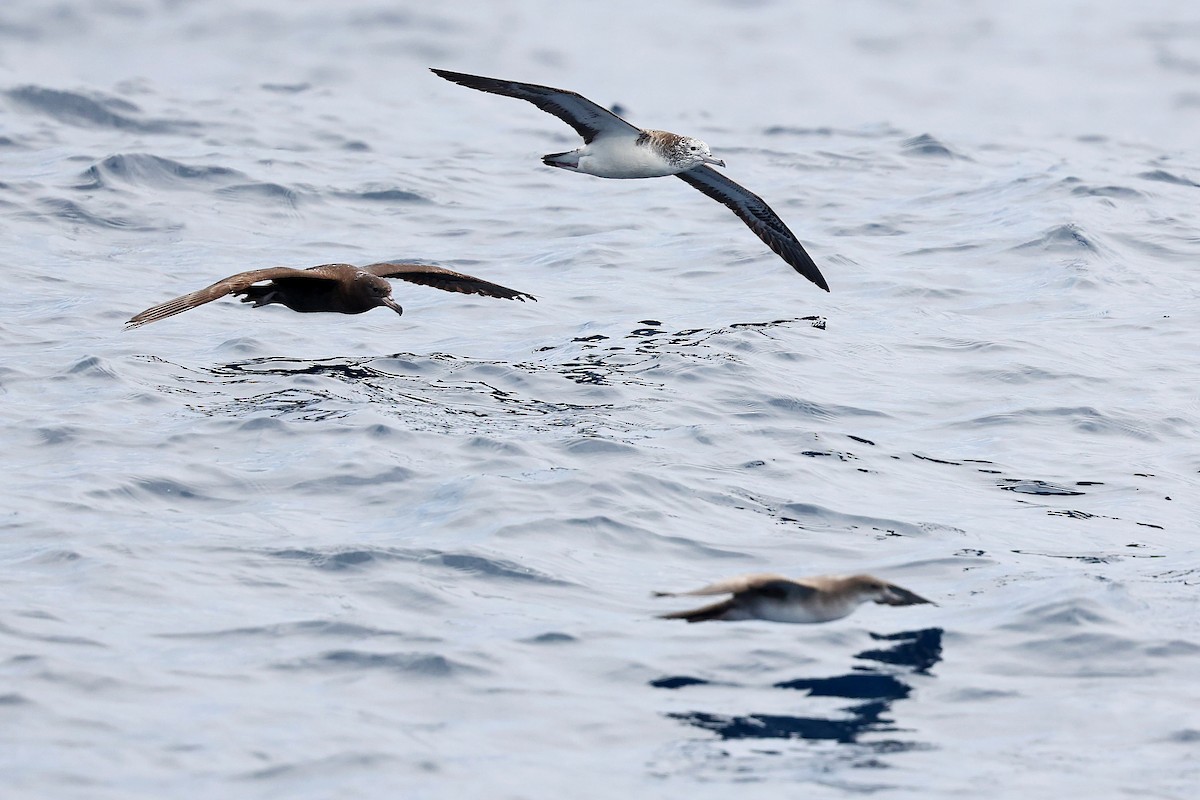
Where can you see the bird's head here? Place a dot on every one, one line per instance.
(695, 152)
(378, 291)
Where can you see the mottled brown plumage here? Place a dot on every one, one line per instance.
(781, 599)
(340, 288)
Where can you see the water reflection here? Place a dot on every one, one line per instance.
(918, 651)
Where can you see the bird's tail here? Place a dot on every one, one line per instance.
(259, 295)
(568, 160)
(704, 614)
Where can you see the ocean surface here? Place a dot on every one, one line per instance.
(258, 554)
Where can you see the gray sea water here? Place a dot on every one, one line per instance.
(257, 554)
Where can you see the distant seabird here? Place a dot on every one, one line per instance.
(615, 149)
(779, 599)
(343, 288)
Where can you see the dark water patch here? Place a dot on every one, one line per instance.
(1162, 176)
(1072, 514)
(285, 630)
(51, 638)
(813, 517)
(866, 132)
(157, 490)
(490, 568)
(1035, 486)
(551, 637)
(868, 229)
(933, 460)
(341, 559)
(384, 196)
(926, 145)
(678, 682)
(819, 411)
(865, 718)
(59, 434)
(1118, 192)
(1089, 558)
(330, 483)
(317, 771)
(1083, 418)
(855, 686)
(1068, 238)
(604, 363)
(93, 110)
(418, 665)
(12, 699)
(929, 251)
(306, 405)
(53, 557)
(285, 88)
(919, 650)
(1062, 613)
(91, 367)
(459, 562)
(143, 169)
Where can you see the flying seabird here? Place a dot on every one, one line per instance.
(613, 148)
(343, 288)
(780, 599)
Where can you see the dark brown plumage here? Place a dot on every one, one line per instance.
(341, 288)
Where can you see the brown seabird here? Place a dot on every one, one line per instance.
(780, 599)
(342, 288)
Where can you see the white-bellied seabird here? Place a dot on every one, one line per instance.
(779, 599)
(615, 149)
(341, 288)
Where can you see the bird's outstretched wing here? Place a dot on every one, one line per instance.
(734, 585)
(587, 118)
(758, 216)
(225, 286)
(445, 279)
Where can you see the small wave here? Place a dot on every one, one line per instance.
(257, 191)
(1064, 238)
(460, 562)
(70, 211)
(384, 196)
(143, 169)
(1036, 487)
(1163, 176)
(926, 145)
(1123, 192)
(424, 665)
(95, 111)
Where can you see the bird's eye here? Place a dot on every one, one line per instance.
(695, 148)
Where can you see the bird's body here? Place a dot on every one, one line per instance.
(614, 148)
(776, 598)
(629, 154)
(338, 288)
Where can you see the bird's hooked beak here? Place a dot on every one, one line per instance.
(392, 304)
(714, 161)
(895, 596)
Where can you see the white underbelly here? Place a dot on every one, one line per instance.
(622, 157)
(803, 614)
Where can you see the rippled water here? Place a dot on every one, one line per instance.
(250, 553)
